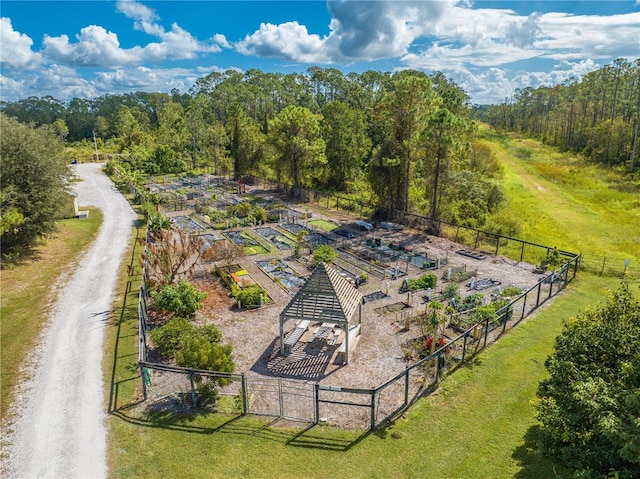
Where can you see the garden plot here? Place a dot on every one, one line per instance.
(281, 242)
(186, 223)
(242, 238)
(314, 238)
(282, 274)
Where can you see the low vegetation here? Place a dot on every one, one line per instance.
(27, 294)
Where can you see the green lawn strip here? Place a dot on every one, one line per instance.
(264, 244)
(477, 425)
(27, 294)
(324, 225)
(569, 204)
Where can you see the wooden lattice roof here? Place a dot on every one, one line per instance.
(326, 296)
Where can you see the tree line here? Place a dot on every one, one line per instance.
(404, 140)
(597, 116)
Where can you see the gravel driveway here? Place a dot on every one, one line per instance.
(59, 427)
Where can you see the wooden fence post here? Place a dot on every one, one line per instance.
(373, 409)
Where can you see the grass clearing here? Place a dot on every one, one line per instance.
(324, 225)
(561, 201)
(27, 294)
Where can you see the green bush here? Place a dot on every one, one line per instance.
(425, 281)
(171, 336)
(450, 290)
(510, 291)
(324, 254)
(250, 296)
(183, 300)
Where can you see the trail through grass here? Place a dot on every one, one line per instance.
(560, 201)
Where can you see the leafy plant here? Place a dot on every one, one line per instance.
(183, 300)
(425, 281)
(590, 404)
(324, 254)
(250, 296)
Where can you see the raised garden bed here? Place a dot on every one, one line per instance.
(375, 296)
(471, 254)
(281, 274)
(280, 241)
(186, 224)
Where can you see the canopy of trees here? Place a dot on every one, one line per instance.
(34, 173)
(402, 140)
(597, 116)
(590, 405)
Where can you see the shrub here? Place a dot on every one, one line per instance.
(250, 296)
(510, 291)
(450, 290)
(425, 281)
(171, 336)
(324, 254)
(183, 300)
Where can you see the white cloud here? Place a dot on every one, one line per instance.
(15, 47)
(494, 84)
(95, 46)
(580, 36)
(289, 40)
(359, 31)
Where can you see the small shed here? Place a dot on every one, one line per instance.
(328, 298)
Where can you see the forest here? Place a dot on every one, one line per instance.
(596, 116)
(404, 140)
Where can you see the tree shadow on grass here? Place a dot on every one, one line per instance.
(531, 461)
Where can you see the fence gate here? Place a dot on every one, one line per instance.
(284, 398)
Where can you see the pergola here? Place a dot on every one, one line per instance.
(326, 297)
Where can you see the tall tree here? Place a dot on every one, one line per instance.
(347, 144)
(34, 173)
(295, 136)
(589, 407)
(403, 113)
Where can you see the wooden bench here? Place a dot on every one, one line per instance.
(295, 335)
(354, 336)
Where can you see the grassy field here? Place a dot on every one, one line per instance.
(26, 294)
(559, 201)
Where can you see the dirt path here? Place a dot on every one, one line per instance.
(59, 429)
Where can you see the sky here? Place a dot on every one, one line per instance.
(86, 49)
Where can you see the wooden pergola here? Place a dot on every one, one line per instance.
(328, 298)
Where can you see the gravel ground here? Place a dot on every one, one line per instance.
(58, 428)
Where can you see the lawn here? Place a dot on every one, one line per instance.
(27, 294)
(323, 225)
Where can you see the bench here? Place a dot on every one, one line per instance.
(354, 336)
(295, 335)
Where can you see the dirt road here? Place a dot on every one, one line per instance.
(59, 429)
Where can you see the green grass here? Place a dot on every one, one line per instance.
(479, 424)
(324, 225)
(561, 201)
(27, 294)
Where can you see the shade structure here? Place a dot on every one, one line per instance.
(326, 297)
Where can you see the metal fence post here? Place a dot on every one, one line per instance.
(406, 386)
(243, 392)
(193, 390)
(316, 388)
(373, 409)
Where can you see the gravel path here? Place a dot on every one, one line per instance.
(59, 428)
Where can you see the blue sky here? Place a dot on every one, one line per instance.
(86, 49)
